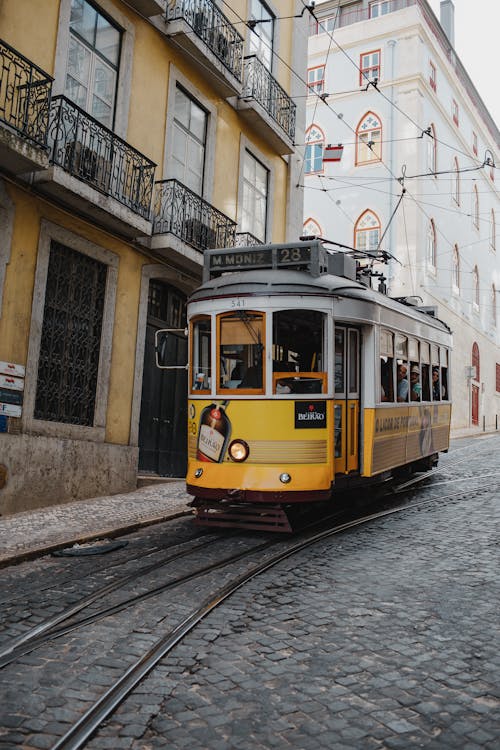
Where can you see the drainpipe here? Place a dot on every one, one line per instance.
(392, 199)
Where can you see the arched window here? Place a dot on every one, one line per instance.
(431, 244)
(475, 207)
(432, 151)
(311, 228)
(475, 359)
(456, 269)
(494, 306)
(313, 159)
(369, 139)
(455, 185)
(493, 232)
(367, 232)
(475, 287)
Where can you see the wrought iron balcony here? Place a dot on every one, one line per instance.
(213, 28)
(24, 95)
(260, 86)
(246, 239)
(179, 211)
(91, 152)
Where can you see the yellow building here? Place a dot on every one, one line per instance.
(133, 135)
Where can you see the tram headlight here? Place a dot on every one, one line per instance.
(239, 450)
(285, 478)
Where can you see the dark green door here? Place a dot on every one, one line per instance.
(163, 420)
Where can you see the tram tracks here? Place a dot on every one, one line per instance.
(77, 736)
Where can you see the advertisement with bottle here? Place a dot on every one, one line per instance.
(213, 433)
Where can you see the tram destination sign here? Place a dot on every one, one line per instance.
(260, 256)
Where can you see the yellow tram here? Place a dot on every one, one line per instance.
(302, 380)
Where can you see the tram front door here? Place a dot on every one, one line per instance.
(346, 404)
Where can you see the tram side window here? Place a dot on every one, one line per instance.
(425, 370)
(386, 366)
(402, 367)
(201, 369)
(443, 358)
(241, 350)
(298, 351)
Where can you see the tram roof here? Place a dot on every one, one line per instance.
(284, 281)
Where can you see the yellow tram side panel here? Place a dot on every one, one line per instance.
(276, 446)
(396, 436)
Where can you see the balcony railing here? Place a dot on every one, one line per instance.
(246, 239)
(24, 95)
(93, 153)
(259, 84)
(190, 218)
(213, 28)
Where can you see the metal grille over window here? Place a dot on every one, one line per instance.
(71, 336)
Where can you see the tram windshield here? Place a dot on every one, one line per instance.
(298, 351)
(241, 350)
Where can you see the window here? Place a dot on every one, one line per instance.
(386, 366)
(432, 151)
(261, 35)
(369, 139)
(241, 350)
(475, 288)
(431, 244)
(313, 158)
(93, 58)
(311, 228)
(497, 379)
(475, 361)
(379, 8)
(455, 280)
(475, 207)
(432, 75)
(316, 79)
(298, 354)
(369, 64)
(455, 185)
(70, 345)
(367, 232)
(201, 378)
(493, 231)
(189, 139)
(493, 306)
(474, 142)
(454, 111)
(254, 199)
(322, 25)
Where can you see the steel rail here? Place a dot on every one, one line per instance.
(77, 736)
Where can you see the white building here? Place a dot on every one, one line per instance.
(386, 84)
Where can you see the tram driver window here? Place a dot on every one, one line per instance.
(241, 350)
(201, 371)
(298, 351)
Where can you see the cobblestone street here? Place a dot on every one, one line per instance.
(385, 636)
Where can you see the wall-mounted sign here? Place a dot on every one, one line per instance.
(10, 410)
(9, 368)
(11, 389)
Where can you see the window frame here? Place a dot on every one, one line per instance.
(125, 71)
(261, 49)
(432, 151)
(432, 245)
(475, 288)
(376, 158)
(493, 232)
(358, 230)
(455, 271)
(363, 77)
(96, 432)
(317, 86)
(432, 76)
(249, 153)
(312, 144)
(455, 192)
(475, 207)
(455, 112)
